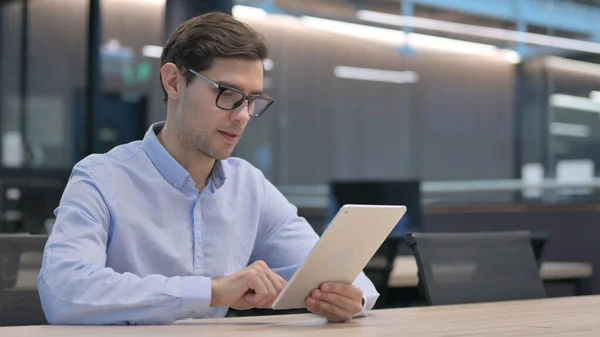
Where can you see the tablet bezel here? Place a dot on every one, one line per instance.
(352, 226)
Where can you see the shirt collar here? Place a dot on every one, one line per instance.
(218, 174)
(170, 169)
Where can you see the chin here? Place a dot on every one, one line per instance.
(222, 155)
(215, 152)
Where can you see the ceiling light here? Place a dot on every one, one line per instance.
(152, 51)
(480, 31)
(441, 43)
(392, 36)
(268, 64)
(399, 38)
(572, 65)
(574, 103)
(239, 11)
(375, 75)
(509, 56)
(570, 130)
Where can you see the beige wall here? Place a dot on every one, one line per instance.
(455, 123)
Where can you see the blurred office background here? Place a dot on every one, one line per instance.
(482, 115)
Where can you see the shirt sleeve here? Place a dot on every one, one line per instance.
(76, 287)
(285, 240)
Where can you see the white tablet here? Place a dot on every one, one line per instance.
(343, 251)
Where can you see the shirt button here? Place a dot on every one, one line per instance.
(191, 314)
(176, 185)
(198, 249)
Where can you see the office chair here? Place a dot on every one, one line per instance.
(19, 305)
(538, 243)
(459, 268)
(380, 267)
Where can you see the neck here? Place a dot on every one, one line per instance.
(198, 165)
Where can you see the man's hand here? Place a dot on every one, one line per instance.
(338, 302)
(256, 286)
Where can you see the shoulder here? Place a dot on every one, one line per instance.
(243, 176)
(103, 165)
(239, 168)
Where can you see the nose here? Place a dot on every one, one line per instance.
(241, 113)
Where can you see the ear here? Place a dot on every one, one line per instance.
(171, 80)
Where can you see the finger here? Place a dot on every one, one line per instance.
(346, 290)
(271, 280)
(257, 285)
(331, 312)
(271, 294)
(262, 266)
(282, 281)
(350, 305)
(276, 280)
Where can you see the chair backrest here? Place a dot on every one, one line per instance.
(538, 243)
(380, 267)
(459, 268)
(20, 261)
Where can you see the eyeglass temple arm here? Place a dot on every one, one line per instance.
(204, 78)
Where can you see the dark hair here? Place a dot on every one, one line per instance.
(198, 41)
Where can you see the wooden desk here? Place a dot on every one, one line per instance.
(405, 271)
(556, 317)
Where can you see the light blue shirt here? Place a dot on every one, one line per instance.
(134, 242)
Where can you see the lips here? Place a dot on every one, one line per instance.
(230, 137)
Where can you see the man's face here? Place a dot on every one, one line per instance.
(203, 126)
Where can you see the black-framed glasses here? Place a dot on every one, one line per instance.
(231, 98)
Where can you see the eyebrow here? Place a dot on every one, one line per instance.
(231, 85)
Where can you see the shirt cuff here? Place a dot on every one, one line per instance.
(368, 303)
(195, 296)
(365, 308)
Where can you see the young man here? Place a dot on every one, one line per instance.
(170, 227)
